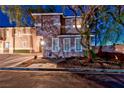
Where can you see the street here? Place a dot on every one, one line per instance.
(54, 79)
(33, 78)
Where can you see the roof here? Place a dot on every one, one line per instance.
(72, 16)
(47, 13)
(55, 14)
(15, 27)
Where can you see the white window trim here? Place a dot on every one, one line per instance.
(69, 44)
(38, 24)
(57, 44)
(76, 45)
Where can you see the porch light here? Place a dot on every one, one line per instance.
(42, 43)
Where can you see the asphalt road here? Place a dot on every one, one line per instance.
(54, 79)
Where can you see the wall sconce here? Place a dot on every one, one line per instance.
(42, 43)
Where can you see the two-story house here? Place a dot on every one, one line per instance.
(60, 36)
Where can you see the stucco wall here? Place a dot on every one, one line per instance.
(22, 40)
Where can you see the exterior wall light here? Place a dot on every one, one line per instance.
(42, 43)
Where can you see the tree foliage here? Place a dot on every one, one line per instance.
(105, 22)
(21, 15)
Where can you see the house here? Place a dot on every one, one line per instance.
(60, 36)
(18, 40)
(53, 35)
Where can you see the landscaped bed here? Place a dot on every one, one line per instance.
(82, 63)
(78, 62)
(109, 60)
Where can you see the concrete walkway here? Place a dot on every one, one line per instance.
(12, 60)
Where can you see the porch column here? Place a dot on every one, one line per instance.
(11, 42)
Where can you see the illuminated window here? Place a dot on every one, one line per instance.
(66, 42)
(78, 46)
(7, 44)
(78, 26)
(55, 44)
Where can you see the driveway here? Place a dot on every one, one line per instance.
(11, 60)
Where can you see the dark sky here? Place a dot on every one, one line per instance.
(4, 19)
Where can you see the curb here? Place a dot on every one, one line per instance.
(76, 70)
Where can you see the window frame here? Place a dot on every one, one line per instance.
(56, 45)
(76, 45)
(7, 45)
(69, 44)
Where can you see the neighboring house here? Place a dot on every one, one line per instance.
(18, 40)
(59, 34)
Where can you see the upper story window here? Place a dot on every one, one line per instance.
(67, 44)
(78, 22)
(78, 46)
(78, 26)
(56, 22)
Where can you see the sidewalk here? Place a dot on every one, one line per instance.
(72, 70)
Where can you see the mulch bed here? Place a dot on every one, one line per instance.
(98, 63)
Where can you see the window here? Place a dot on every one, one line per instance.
(56, 22)
(78, 26)
(66, 42)
(7, 45)
(24, 44)
(78, 46)
(55, 44)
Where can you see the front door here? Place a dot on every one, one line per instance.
(7, 46)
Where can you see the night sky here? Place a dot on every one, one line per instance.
(4, 18)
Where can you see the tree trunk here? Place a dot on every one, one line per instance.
(90, 58)
(100, 51)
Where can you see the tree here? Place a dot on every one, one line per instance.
(21, 15)
(102, 21)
